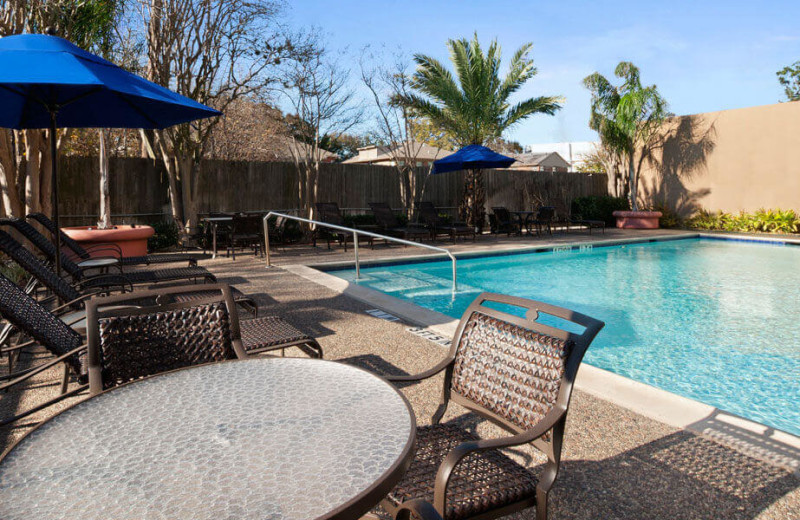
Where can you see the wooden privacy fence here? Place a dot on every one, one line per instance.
(139, 187)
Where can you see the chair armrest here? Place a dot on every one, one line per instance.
(417, 508)
(422, 375)
(462, 450)
(108, 280)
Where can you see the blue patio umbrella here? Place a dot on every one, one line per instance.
(472, 157)
(47, 82)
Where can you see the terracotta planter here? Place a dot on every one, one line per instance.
(131, 240)
(637, 219)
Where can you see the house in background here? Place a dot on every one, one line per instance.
(420, 154)
(540, 162)
(575, 152)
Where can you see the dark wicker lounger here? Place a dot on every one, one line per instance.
(437, 225)
(389, 223)
(113, 250)
(78, 274)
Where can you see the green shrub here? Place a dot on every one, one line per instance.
(762, 221)
(12, 271)
(167, 235)
(669, 219)
(354, 221)
(596, 207)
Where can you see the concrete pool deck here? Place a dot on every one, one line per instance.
(617, 463)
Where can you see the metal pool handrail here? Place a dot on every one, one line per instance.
(356, 233)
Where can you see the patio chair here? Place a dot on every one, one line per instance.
(78, 273)
(389, 223)
(128, 344)
(437, 226)
(543, 220)
(246, 231)
(518, 373)
(85, 252)
(502, 221)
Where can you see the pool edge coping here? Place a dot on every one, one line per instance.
(754, 439)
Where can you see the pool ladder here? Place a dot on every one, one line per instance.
(356, 233)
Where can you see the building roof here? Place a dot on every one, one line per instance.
(526, 160)
(574, 152)
(419, 152)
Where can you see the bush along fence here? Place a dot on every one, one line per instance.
(139, 189)
(762, 221)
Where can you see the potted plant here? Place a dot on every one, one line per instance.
(627, 118)
(129, 240)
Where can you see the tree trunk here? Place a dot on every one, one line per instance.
(472, 209)
(9, 188)
(189, 172)
(45, 174)
(105, 198)
(32, 138)
(632, 183)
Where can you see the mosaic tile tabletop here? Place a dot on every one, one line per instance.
(262, 438)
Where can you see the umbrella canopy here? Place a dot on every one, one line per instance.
(472, 157)
(42, 74)
(48, 82)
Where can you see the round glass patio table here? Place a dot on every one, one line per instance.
(284, 438)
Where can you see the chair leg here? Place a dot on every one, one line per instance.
(65, 379)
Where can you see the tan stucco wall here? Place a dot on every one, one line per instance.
(734, 160)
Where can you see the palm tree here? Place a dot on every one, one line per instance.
(475, 108)
(626, 117)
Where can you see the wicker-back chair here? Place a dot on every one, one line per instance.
(517, 372)
(86, 252)
(544, 219)
(390, 224)
(246, 231)
(192, 273)
(437, 226)
(30, 318)
(125, 345)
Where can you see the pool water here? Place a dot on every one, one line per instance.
(713, 320)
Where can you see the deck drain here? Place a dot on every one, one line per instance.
(430, 335)
(377, 313)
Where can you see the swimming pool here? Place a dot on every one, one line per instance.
(713, 320)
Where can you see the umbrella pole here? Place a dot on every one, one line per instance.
(54, 190)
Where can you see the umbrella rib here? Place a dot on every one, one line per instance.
(137, 109)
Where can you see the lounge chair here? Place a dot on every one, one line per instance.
(330, 213)
(516, 372)
(73, 296)
(589, 224)
(437, 226)
(501, 221)
(78, 272)
(84, 253)
(389, 224)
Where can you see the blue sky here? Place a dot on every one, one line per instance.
(703, 55)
